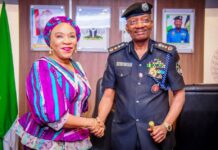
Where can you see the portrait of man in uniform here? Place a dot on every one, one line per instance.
(178, 28)
(178, 34)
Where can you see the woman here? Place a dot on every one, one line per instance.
(57, 91)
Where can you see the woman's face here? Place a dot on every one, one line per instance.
(63, 41)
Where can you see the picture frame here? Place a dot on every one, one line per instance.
(93, 39)
(178, 29)
(94, 23)
(39, 16)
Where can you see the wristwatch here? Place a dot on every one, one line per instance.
(168, 126)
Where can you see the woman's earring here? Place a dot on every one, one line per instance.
(50, 51)
(75, 51)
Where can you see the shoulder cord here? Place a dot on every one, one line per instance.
(162, 83)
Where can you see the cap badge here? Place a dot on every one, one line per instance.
(145, 7)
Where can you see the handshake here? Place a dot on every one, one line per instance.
(96, 126)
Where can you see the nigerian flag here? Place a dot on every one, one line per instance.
(8, 99)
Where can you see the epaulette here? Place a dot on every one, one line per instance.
(117, 47)
(164, 47)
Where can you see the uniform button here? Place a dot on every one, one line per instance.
(140, 75)
(140, 65)
(137, 101)
(121, 75)
(137, 120)
(139, 83)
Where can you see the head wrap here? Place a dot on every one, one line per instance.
(55, 21)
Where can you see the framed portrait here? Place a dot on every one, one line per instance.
(94, 39)
(39, 16)
(178, 28)
(94, 23)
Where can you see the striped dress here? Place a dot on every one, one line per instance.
(53, 93)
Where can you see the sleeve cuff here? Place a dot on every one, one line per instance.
(178, 87)
(59, 124)
(105, 86)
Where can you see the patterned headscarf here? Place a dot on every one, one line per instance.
(55, 21)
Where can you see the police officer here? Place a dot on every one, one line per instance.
(178, 34)
(137, 79)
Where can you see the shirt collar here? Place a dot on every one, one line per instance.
(150, 46)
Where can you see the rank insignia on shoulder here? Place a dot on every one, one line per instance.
(164, 47)
(117, 47)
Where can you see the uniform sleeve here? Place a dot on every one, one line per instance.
(169, 36)
(109, 75)
(46, 100)
(187, 37)
(175, 77)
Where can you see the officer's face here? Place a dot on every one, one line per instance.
(139, 27)
(178, 23)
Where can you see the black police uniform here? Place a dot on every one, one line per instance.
(141, 87)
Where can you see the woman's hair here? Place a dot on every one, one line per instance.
(55, 21)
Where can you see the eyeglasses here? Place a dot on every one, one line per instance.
(135, 22)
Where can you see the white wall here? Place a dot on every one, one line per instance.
(211, 46)
(13, 14)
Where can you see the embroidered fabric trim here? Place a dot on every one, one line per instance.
(59, 124)
(37, 143)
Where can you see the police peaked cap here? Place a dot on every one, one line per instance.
(178, 18)
(136, 9)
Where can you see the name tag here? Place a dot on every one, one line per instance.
(124, 64)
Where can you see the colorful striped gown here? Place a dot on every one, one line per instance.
(53, 93)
